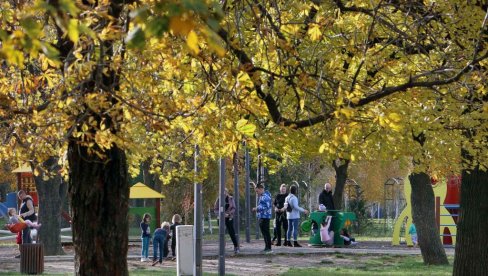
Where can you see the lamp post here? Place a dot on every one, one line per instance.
(258, 181)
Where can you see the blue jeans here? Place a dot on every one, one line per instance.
(145, 247)
(159, 243)
(292, 226)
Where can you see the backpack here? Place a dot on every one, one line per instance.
(289, 208)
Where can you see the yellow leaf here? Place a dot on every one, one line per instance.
(73, 31)
(348, 112)
(180, 26)
(394, 117)
(246, 128)
(192, 42)
(323, 147)
(314, 32)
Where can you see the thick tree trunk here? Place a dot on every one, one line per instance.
(52, 194)
(341, 177)
(99, 193)
(423, 214)
(472, 239)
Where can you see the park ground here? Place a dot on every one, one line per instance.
(367, 258)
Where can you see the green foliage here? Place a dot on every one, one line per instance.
(381, 265)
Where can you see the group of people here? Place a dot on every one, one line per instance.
(287, 216)
(287, 210)
(24, 221)
(160, 239)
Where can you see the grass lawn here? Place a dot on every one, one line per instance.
(382, 265)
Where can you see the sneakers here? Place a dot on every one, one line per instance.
(143, 259)
(266, 251)
(296, 244)
(236, 250)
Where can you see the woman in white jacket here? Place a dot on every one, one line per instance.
(293, 211)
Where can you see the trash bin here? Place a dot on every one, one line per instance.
(32, 258)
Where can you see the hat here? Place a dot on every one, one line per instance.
(322, 208)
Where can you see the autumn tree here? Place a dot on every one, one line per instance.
(312, 62)
(70, 76)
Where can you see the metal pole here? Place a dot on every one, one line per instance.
(248, 198)
(258, 181)
(236, 197)
(222, 217)
(197, 266)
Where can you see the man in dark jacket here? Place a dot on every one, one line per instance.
(280, 213)
(325, 197)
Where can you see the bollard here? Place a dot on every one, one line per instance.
(184, 250)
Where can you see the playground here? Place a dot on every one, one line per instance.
(396, 245)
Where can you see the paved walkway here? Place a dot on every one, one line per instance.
(211, 250)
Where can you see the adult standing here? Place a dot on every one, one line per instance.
(230, 209)
(325, 197)
(293, 216)
(280, 214)
(263, 213)
(26, 211)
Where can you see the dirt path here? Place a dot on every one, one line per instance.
(249, 262)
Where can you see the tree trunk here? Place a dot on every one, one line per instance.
(472, 239)
(423, 215)
(99, 193)
(146, 176)
(52, 194)
(341, 177)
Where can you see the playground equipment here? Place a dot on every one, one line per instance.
(394, 198)
(140, 190)
(25, 181)
(340, 220)
(445, 213)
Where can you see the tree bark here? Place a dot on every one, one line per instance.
(146, 178)
(99, 192)
(341, 177)
(423, 214)
(52, 195)
(472, 239)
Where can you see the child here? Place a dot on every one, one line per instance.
(145, 236)
(176, 221)
(326, 236)
(413, 233)
(15, 220)
(160, 241)
(347, 238)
